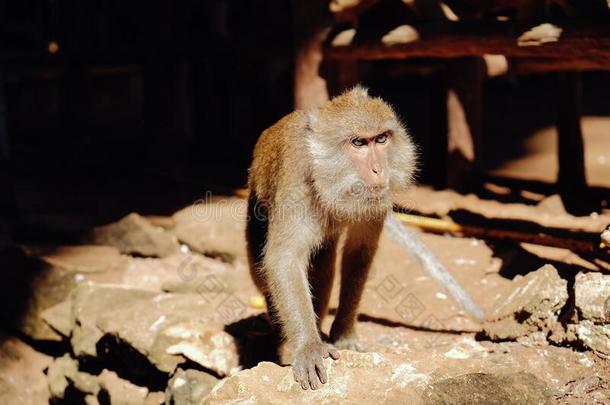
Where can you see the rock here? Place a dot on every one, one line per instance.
(57, 376)
(215, 350)
(91, 400)
(48, 313)
(590, 390)
(59, 317)
(389, 379)
(189, 273)
(483, 388)
(531, 305)
(119, 391)
(164, 222)
(595, 337)
(54, 274)
(91, 300)
(86, 259)
(189, 387)
(214, 227)
(64, 372)
(166, 328)
(107, 387)
(403, 375)
(22, 378)
(592, 291)
(136, 235)
(155, 398)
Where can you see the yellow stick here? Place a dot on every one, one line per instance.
(431, 224)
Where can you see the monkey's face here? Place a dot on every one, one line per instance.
(361, 154)
(370, 158)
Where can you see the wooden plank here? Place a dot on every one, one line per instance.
(545, 65)
(578, 40)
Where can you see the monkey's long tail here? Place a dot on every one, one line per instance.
(409, 240)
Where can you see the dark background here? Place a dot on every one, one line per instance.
(147, 104)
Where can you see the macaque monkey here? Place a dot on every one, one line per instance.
(317, 175)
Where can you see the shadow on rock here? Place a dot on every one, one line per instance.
(256, 339)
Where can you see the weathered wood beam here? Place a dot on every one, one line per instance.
(545, 65)
(584, 41)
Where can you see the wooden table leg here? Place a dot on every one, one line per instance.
(572, 181)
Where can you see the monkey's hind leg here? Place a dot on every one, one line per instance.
(256, 237)
(358, 252)
(321, 275)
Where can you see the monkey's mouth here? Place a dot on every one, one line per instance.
(371, 195)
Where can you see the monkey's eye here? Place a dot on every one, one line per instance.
(383, 138)
(358, 142)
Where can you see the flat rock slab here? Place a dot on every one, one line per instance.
(214, 227)
(93, 300)
(467, 371)
(55, 272)
(134, 234)
(59, 317)
(189, 273)
(164, 327)
(394, 382)
(79, 258)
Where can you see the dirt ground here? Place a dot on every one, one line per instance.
(540, 160)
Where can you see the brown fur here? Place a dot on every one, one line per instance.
(304, 194)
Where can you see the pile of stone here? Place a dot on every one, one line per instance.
(162, 311)
(538, 310)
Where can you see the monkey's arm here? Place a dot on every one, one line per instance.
(409, 240)
(286, 263)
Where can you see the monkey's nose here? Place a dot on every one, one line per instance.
(378, 179)
(377, 169)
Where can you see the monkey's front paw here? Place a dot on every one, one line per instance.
(308, 367)
(349, 343)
